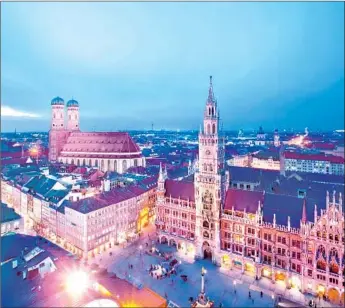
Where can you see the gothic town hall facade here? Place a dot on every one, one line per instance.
(289, 241)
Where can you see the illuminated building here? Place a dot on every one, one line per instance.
(260, 137)
(313, 163)
(283, 238)
(108, 151)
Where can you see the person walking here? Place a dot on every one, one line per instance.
(261, 294)
(249, 295)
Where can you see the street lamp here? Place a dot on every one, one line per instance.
(77, 283)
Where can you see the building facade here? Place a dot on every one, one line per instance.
(107, 151)
(244, 229)
(267, 161)
(313, 163)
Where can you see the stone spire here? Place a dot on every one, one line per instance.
(161, 174)
(274, 220)
(327, 200)
(304, 212)
(315, 214)
(210, 99)
(289, 224)
(340, 203)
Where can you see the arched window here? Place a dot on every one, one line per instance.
(206, 235)
(334, 261)
(321, 258)
(209, 111)
(318, 234)
(212, 111)
(72, 162)
(84, 162)
(78, 162)
(208, 129)
(211, 168)
(115, 165)
(109, 164)
(124, 165)
(213, 128)
(205, 167)
(102, 164)
(90, 163)
(135, 163)
(206, 224)
(96, 162)
(324, 235)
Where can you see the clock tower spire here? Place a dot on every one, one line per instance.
(209, 182)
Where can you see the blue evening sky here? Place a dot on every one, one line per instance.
(279, 65)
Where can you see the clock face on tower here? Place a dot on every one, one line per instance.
(207, 152)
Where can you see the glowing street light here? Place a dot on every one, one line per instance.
(35, 151)
(77, 283)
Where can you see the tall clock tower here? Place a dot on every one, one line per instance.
(209, 183)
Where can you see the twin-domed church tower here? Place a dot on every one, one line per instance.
(209, 181)
(60, 126)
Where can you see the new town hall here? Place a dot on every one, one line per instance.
(288, 240)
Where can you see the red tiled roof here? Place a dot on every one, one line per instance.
(243, 199)
(114, 142)
(179, 189)
(110, 156)
(320, 157)
(323, 145)
(102, 200)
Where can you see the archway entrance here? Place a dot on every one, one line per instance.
(321, 290)
(296, 282)
(226, 262)
(172, 242)
(333, 296)
(279, 276)
(266, 272)
(164, 240)
(207, 251)
(250, 269)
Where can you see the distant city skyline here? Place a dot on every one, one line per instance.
(276, 65)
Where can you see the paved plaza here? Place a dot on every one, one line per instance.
(229, 289)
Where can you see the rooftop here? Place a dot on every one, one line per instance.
(8, 214)
(95, 142)
(243, 200)
(319, 157)
(180, 189)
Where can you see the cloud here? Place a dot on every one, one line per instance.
(7, 111)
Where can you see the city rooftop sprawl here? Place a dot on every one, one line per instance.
(259, 214)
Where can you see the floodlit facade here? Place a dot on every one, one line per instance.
(282, 238)
(108, 151)
(313, 163)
